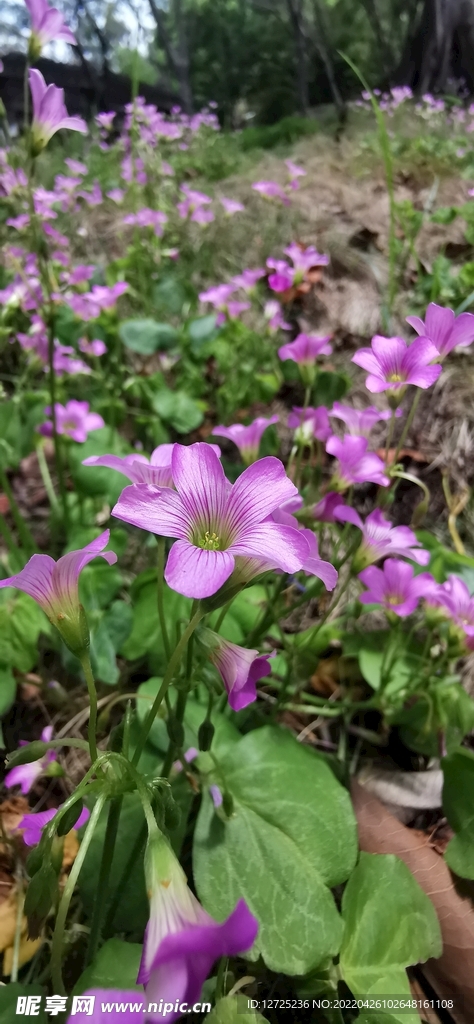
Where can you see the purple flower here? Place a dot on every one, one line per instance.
(54, 586)
(248, 438)
(117, 195)
(248, 279)
(97, 347)
(147, 218)
(304, 261)
(444, 329)
(380, 539)
(392, 364)
(313, 565)
(306, 349)
(273, 313)
(75, 166)
(310, 423)
(216, 795)
(181, 940)
(138, 468)
(231, 206)
(271, 190)
(360, 421)
(218, 527)
(356, 464)
(395, 586)
(239, 667)
(47, 24)
(32, 825)
(454, 597)
(49, 111)
(25, 775)
(220, 297)
(73, 419)
(294, 172)
(325, 510)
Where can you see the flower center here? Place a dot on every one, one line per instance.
(395, 378)
(210, 541)
(394, 599)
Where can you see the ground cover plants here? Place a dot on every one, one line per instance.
(235, 598)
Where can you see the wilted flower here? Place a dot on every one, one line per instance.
(380, 539)
(72, 419)
(25, 775)
(247, 438)
(310, 423)
(49, 112)
(47, 24)
(356, 464)
(393, 364)
(444, 329)
(218, 527)
(54, 586)
(239, 667)
(395, 586)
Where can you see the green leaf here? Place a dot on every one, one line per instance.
(330, 387)
(132, 911)
(115, 966)
(201, 330)
(147, 336)
(233, 1010)
(145, 635)
(458, 806)
(7, 689)
(389, 924)
(291, 838)
(107, 638)
(99, 583)
(21, 622)
(97, 480)
(178, 409)
(8, 1002)
(169, 295)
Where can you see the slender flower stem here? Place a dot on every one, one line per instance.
(18, 927)
(24, 531)
(302, 445)
(319, 625)
(46, 478)
(56, 439)
(160, 595)
(391, 427)
(58, 937)
(409, 421)
(92, 728)
(102, 890)
(173, 665)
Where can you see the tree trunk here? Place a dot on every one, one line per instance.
(177, 56)
(295, 12)
(385, 50)
(441, 47)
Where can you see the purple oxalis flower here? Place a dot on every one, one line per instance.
(273, 313)
(25, 775)
(310, 423)
(271, 190)
(239, 667)
(356, 464)
(248, 279)
(325, 510)
(248, 438)
(218, 527)
(141, 470)
(454, 597)
(444, 329)
(380, 539)
(392, 364)
(54, 586)
(306, 349)
(72, 419)
(181, 940)
(360, 421)
(32, 825)
(47, 24)
(231, 206)
(395, 586)
(49, 111)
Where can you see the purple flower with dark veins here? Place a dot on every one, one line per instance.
(393, 364)
(395, 586)
(248, 438)
(73, 419)
(444, 329)
(356, 464)
(239, 667)
(380, 539)
(49, 111)
(47, 24)
(218, 527)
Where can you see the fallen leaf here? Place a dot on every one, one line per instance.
(421, 790)
(452, 975)
(405, 453)
(27, 950)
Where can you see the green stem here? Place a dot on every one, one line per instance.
(24, 532)
(319, 625)
(58, 936)
(46, 478)
(302, 445)
(92, 728)
(391, 427)
(100, 904)
(409, 421)
(173, 665)
(160, 594)
(56, 438)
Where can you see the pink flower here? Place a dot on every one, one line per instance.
(325, 510)
(47, 24)
(97, 347)
(271, 190)
(395, 586)
(444, 329)
(273, 313)
(32, 825)
(313, 564)
(74, 420)
(75, 166)
(454, 597)
(294, 172)
(380, 539)
(306, 349)
(181, 940)
(220, 297)
(231, 206)
(117, 195)
(248, 279)
(54, 586)
(304, 261)
(392, 364)
(49, 111)
(356, 464)
(360, 421)
(147, 218)
(248, 438)
(239, 667)
(218, 528)
(139, 469)
(310, 423)
(25, 775)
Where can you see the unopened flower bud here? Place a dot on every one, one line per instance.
(69, 818)
(205, 735)
(175, 731)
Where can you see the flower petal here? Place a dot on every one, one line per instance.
(280, 547)
(260, 489)
(201, 483)
(158, 510)
(197, 572)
